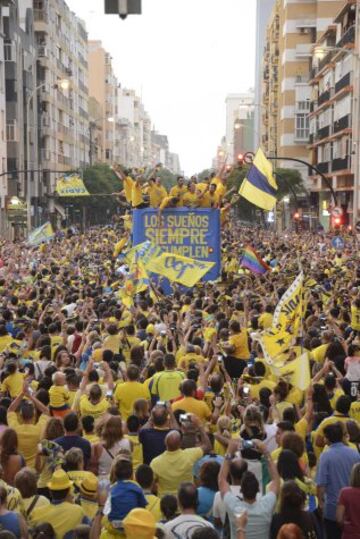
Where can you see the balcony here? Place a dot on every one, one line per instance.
(342, 83)
(323, 132)
(341, 164)
(325, 96)
(348, 37)
(326, 60)
(64, 160)
(40, 15)
(323, 167)
(342, 123)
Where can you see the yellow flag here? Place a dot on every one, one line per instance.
(180, 269)
(290, 309)
(274, 344)
(71, 186)
(297, 371)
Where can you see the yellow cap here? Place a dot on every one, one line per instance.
(89, 485)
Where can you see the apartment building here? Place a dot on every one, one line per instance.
(331, 123)
(62, 76)
(103, 86)
(239, 123)
(293, 29)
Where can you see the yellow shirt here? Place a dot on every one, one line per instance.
(13, 384)
(355, 318)
(136, 194)
(255, 388)
(90, 507)
(92, 438)
(137, 450)
(330, 421)
(301, 427)
(154, 506)
(29, 436)
(355, 411)
(127, 393)
(63, 517)
(59, 396)
(157, 193)
(190, 199)
(209, 200)
(337, 393)
(193, 406)
(113, 343)
(133, 341)
(5, 341)
(241, 345)
(172, 468)
(95, 410)
(281, 406)
(178, 191)
(128, 186)
(191, 357)
(166, 385)
(201, 187)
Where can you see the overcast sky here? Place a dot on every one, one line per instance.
(183, 57)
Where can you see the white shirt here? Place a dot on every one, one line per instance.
(184, 526)
(218, 510)
(270, 441)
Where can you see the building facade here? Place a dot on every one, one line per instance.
(294, 27)
(62, 77)
(332, 116)
(263, 11)
(239, 124)
(103, 86)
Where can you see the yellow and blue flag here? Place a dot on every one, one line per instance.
(42, 234)
(71, 185)
(260, 187)
(180, 269)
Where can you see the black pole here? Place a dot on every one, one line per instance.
(90, 144)
(313, 167)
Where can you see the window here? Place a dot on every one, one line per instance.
(8, 52)
(11, 134)
(303, 105)
(302, 126)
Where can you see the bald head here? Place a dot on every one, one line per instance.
(173, 440)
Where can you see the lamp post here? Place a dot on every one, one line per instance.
(64, 84)
(92, 126)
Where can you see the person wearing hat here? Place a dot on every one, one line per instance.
(139, 524)
(62, 514)
(88, 496)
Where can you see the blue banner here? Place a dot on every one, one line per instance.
(183, 231)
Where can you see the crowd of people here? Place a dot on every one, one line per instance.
(164, 418)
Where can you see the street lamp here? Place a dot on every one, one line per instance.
(92, 125)
(64, 84)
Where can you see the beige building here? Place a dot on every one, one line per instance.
(61, 40)
(103, 86)
(293, 28)
(332, 116)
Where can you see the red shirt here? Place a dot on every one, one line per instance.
(350, 498)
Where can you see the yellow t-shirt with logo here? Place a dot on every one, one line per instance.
(178, 191)
(191, 200)
(157, 194)
(355, 318)
(13, 384)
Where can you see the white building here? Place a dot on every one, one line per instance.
(238, 107)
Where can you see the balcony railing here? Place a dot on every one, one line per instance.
(344, 81)
(323, 167)
(325, 96)
(348, 37)
(323, 132)
(342, 123)
(341, 164)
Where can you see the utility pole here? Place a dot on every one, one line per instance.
(356, 117)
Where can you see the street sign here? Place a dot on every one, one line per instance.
(337, 242)
(336, 211)
(357, 226)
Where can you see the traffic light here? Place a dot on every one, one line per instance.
(337, 221)
(123, 8)
(240, 159)
(296, 216)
